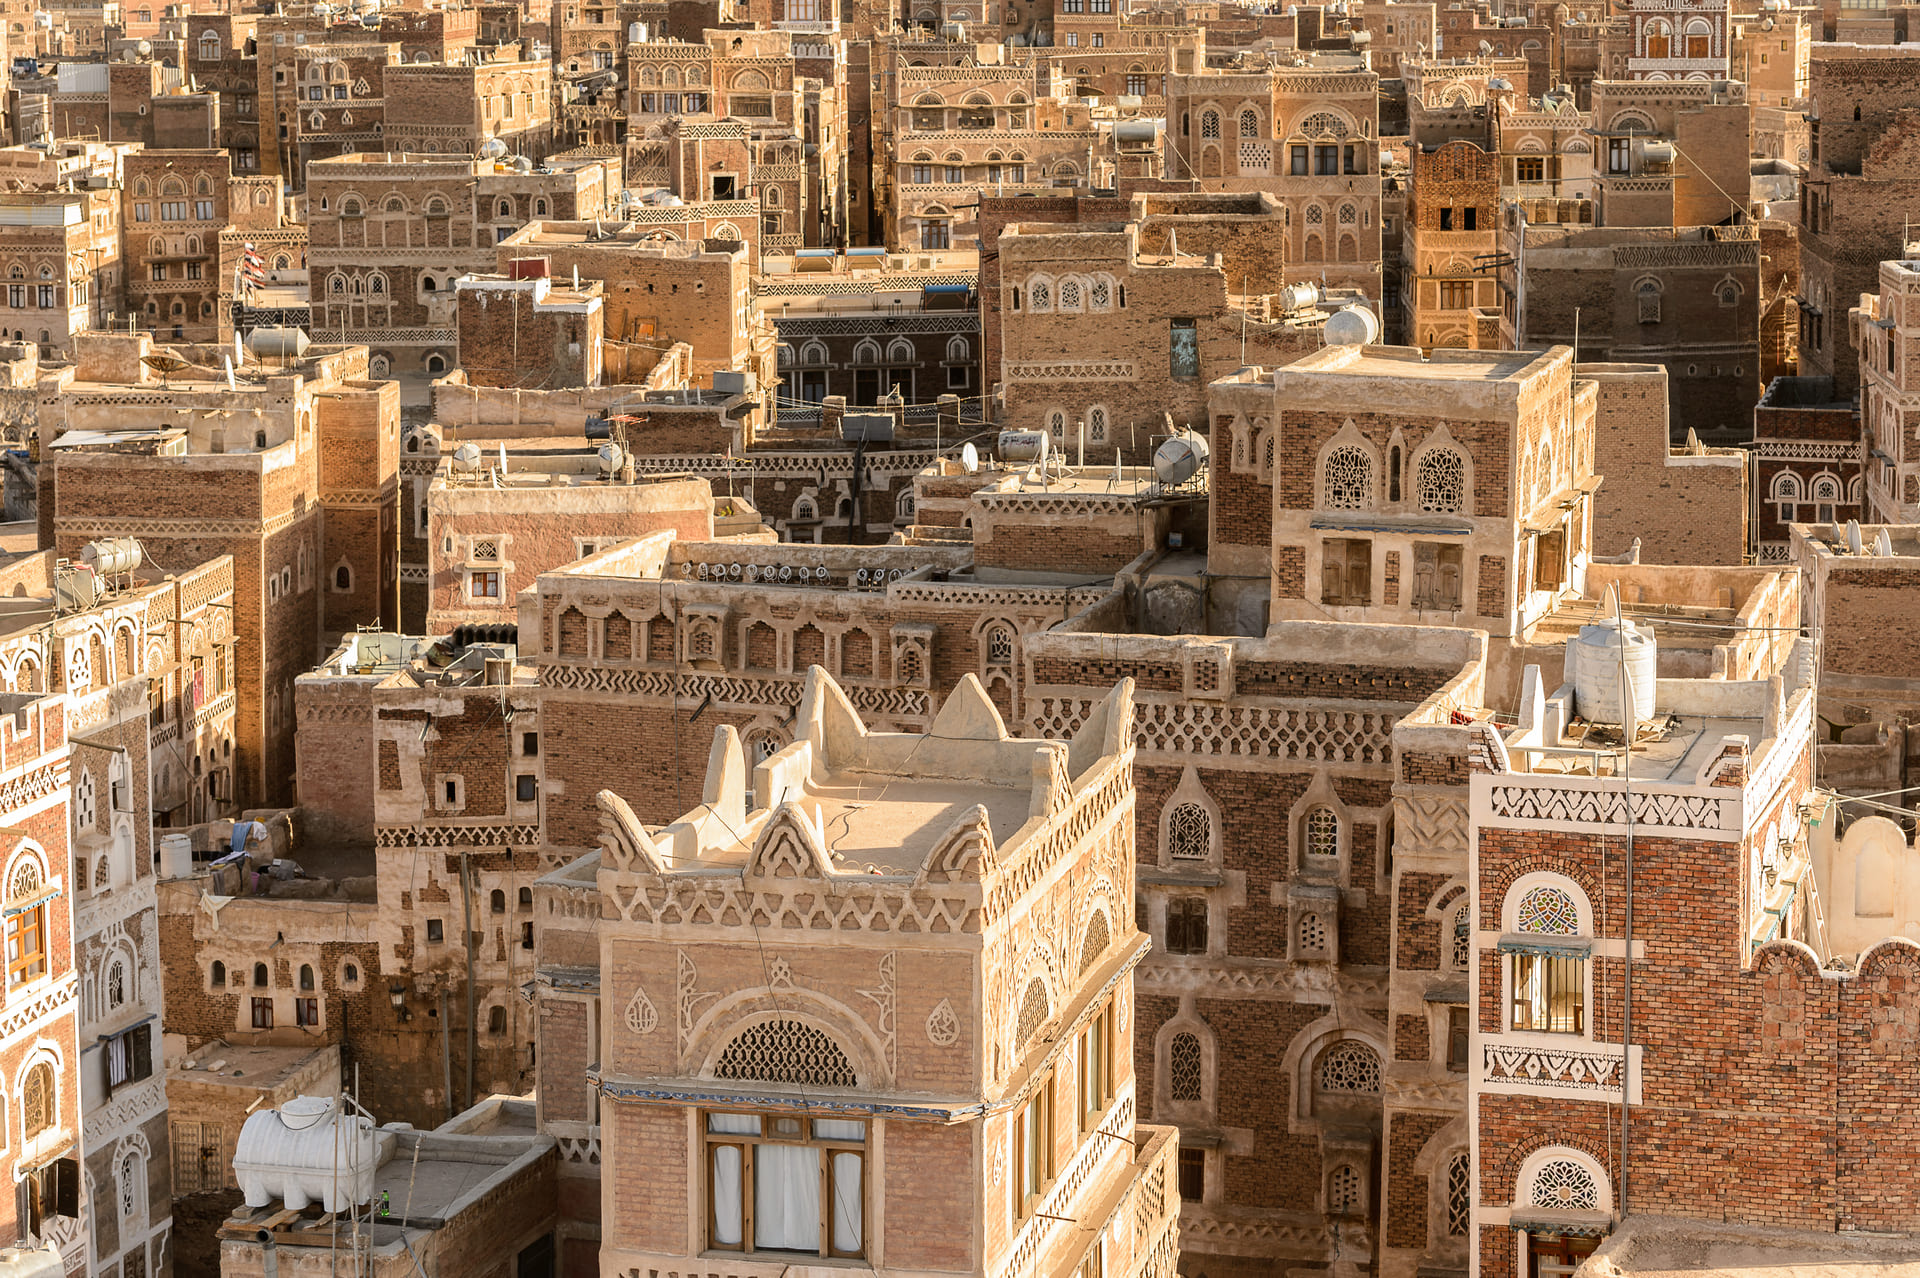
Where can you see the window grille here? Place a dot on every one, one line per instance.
(783, 1051)
(1249, 124)
(1183, 1068)
(1462, 942)
(486, 552)
(1313, 934)
(1549, 910)
(1070, 295)
(1440, 482)
(1323, 833)
(1565, 1185)
(1349, 1067)
(999, 646)
(1323, 124)
(1033, 1010)
(1343, 1191)
(1102, 294)
(1349, 479)
(1189, 833)
(1097, 938)
(1210, 125)
(1459, 1195)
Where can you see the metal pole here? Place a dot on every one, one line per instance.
(466, 909)
(446, 1055)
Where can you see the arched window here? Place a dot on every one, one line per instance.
(1647, 296)
(1311, 937)
(130, 1194)
(1039, 295)
(1785, 492)
(958, 350)
(1564, 1185)
(306, 976)
(497, 901)
(1097, 424)
(999, 646)
(1440, 482)
(219, 974)
(1070, 295)
(786, 1051)
(1034, 1009)
(1349, 479)
(1100, 294)
(496, 1020)
(1183, 1068)
(1189, 833)
(1209, 124)
(116, 984)
(1249, 123)
(1459, 939)
(343, 578)
(1548, 977)
(1350, 1067)
(37, 1104)
(1094, 944)
(260, 975)
(1323, 834)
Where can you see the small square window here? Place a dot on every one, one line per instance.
(526, 787)
(436, 932)
(1193, 1175)
(530, 744)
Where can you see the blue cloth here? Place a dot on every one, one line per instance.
(244, 830)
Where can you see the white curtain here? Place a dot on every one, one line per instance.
(846, 1202)
(839, 1129)
(786, 1198)
(734, 1124)
(726, 1195)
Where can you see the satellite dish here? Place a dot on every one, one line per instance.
(733, 570)
(1853, 537)
(820, 572)
(786, 572)
(1180, 458)
(969, 459)
(860, 576)
(703, 572)
(1883, 544)
(467, 457)
(610, 458)
(1351, 326)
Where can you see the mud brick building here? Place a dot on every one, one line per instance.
(966, 1034)
(1884, 328)
(1451, 231)
(454, 109)
(523, 328)
(318, 93)
(1678, 42)
(658, 292)
(1806, 462)
(177, 204)
(861, 323)
(1374, 485)
(287, 472)
(62, 259)
(1687, 298)
(1852, 199)
(1686, 505)
(1115, 325)
(962, 130)
(390, 233)
(1306, 133)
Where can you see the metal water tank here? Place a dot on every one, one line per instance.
(1295, 297)
(1180, 458)
(1021, 445)
(1595, 658)
(112, 556)
(280, 343)
(309, 1150)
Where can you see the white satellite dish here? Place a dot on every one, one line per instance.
(820, 572)
(1853, 537)
(733, 570)
(786, 572)
(860, 576)
(969, 459)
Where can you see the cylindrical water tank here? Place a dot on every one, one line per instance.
(278, 342)
(1021, 445)
(610, 456)
(309, 1150)
(111, 556)
(1351, 326)
(1298, 296)
(176, 856)
(1595, 658)
(1180, 458)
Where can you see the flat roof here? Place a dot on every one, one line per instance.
(244, 1066)
(892, 822)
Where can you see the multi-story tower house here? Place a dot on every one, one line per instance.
(959, 1048)
(176, 208)
(1673, 41)
(1461, 493)
(1885, 330)
(286, 472)
(1450, 291)
(1306, 133)
(60, 254)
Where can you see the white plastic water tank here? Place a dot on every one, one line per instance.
(309, 1151)
(176, 856)
(1594, 659)
(111, 556)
